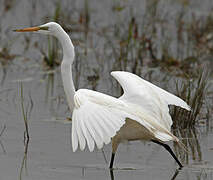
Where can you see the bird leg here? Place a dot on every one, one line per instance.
(115, 143)
(169, 150)
(112, 160)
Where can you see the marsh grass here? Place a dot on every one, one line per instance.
(86, 15)
(149, 40)
(193, 92)
(53, 46)
(190, 139)
(26, 109)
(24, 114)
(126, 46)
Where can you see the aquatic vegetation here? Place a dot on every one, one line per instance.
(52, 58)
(93, 79)
(147, 42)
(24, 160)
(53, 47)
(190, 138)
(2, 130)
(26, 110)
(194, 92)
(5, 55)
(1, 134)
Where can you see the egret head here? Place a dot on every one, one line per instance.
(50, 28)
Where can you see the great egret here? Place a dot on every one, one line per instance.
(141, 113)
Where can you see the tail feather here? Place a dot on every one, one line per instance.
(181, 145)
(168, 136)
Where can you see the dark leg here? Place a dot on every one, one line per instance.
(112, 160)
(170, 151)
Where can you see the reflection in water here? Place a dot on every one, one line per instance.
(49, 86)
(2, 131)
(49, 78)
(24, 160)
(4, 74)
(1, 144)
(175, 174)
(173, 177)
(26, 108)
(190, 140)
(53, 99)
(105, 159)
(111, 174)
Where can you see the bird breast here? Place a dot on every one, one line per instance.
(131, 131)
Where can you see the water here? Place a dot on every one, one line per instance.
(48, 154)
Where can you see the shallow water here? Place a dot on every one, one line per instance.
(48, 154)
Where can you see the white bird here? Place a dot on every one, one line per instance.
(141, 113)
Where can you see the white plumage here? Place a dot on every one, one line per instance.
(98, 117)
(141, 113)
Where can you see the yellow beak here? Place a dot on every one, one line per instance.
(30, 29)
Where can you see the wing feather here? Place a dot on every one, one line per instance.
(102, 127)
(149, 97)
(99, 130)
(107, 122)
(117, 124)
(98, 117)
(94, 121)
(132, 83)
(75, 139)
(87, 135)
(94, 133)
(74, 134)
(81, 137)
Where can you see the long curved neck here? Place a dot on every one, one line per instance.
(66, 67)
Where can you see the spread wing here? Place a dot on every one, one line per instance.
(148, 96)
(97, 117)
